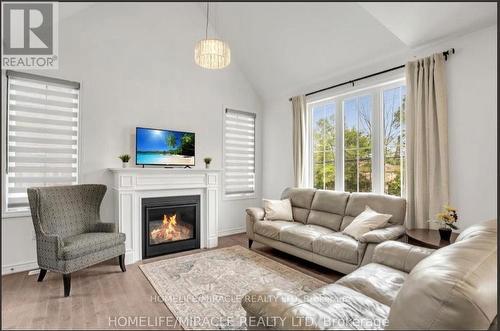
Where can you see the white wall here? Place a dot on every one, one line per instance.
(136, 66)
(472, 95)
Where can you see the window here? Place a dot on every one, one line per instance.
(357, 140)
(324, 146)
(239, 154)
(394, 138)
(42, 135)
(358, 144)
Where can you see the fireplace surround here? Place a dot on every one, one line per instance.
(132, 185)
(170, 224)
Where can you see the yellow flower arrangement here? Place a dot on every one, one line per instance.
(448, 217)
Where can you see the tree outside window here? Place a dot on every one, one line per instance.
(360, 174)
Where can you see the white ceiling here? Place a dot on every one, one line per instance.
(419, 23)
(284, 47)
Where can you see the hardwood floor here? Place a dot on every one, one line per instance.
(102, 297)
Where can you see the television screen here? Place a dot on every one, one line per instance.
(164, 147)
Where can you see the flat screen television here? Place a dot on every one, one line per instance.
(164, 147)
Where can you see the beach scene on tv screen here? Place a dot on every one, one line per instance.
(164, 147)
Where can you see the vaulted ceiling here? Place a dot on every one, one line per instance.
(282, 47)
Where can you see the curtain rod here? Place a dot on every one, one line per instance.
(445, 53)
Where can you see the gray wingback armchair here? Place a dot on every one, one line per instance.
(69, 233)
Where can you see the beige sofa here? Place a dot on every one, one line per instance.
(405, 288)
(319, 217)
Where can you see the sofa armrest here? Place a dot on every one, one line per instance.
(392, 232)
(256, 213)
(104, 227)
(399, 255)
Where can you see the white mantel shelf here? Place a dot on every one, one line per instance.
(165, 170)
(133, 184)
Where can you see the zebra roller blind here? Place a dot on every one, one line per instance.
(239, 153)
(42, 135)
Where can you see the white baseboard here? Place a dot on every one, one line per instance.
(229, 232)
(24, 266)
(19, 267)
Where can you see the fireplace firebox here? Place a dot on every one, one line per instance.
(170, 224)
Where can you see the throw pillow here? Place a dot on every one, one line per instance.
(365, 222)
(278, 210)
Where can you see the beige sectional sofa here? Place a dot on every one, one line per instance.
(319, 216)
(405, 288)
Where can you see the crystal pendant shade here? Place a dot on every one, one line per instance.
(212, 54)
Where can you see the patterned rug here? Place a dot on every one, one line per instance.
(204, 290)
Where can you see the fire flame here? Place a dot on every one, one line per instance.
(168, 229)
(172, 228)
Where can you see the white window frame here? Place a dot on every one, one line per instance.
(4, 148)
(376, 90)
(246, 196)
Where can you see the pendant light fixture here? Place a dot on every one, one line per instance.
(212, 53)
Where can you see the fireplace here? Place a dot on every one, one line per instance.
(170, 224)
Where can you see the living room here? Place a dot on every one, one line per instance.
(244, 165)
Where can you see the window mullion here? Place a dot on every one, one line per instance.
(339, 145)
(378, 143)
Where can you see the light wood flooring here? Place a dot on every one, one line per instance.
(102, 296)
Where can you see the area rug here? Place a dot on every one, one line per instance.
(204, 290)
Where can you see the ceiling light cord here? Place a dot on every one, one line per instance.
(206, 26)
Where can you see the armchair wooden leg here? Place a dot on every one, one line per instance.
(67, 284)
(121, 258)
(42, 274)
(250, 242)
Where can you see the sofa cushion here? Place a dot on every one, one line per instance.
(376, 281)
(333, 202)
(278, 209)
(301, 199)
(303, 235)
(86, 243)
(272, 229)
(384, 204)
(325, 219)
(365, 222)
(327, 209)
(347, 309)
(337, 246)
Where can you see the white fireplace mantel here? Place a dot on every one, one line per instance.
(131, 185)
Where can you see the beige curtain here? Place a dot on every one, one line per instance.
(426, 140)
(299, 139)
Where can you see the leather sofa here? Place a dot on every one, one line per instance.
(405, 288)
(319, 216)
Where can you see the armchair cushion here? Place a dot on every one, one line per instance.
(104, 227)
(88, 243)
(391, 232)
(400, 255)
